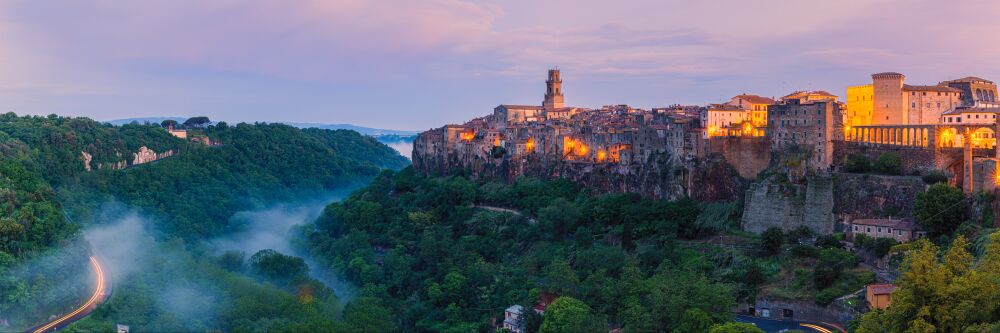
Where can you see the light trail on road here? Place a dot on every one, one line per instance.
(817, 327)
(98, 293)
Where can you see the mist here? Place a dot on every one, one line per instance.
(403, 147)
(274, 228)
(178, 282)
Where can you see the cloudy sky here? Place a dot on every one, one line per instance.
(420, 64)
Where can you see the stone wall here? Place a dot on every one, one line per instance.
(788, 206)
(824, 201)
(749, 156)
(915, 159)
(801, 311)
(865, 196)
(142, 156)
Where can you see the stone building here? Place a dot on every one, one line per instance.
(809, 124)
(896, 103)
(902, 230)
(879, 295)
(976, 92)
(755, 105)
(810, 96)
(860, 104)
(553, 91)
(719, 118)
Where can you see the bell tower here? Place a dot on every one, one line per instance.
(553, 92)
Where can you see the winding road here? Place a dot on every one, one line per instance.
(773, 326)
(100, 295)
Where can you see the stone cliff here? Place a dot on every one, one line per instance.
(142, 156)
(788, 206)
(823, 202)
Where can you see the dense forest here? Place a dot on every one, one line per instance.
(50, 201)
(451, 254)
(437, 255)
(425, 254)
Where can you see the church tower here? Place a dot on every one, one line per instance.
(553, 93)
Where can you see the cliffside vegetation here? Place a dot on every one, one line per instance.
(449, 254)
(48, 198)
(943, 290)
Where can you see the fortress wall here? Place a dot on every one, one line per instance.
(789, 206)
(915, 159)
(749, 156)
(874, 196)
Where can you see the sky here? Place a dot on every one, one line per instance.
(413, 65)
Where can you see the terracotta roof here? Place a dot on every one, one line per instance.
(755, 99)
(891, 223)
(887, 74)
(798, 94)
(723, 107)
(961, 110)
(907, 87)
(970, 79)
(882, 288)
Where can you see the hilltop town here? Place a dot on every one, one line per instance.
(664, 152)
(810, 159)
(732, 150)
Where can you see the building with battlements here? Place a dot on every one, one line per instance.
(892, 102)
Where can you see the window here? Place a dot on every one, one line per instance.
(913, 105)
(855, 228)
(939, 105)
(879, 229)
(899, 232)
(868, 229)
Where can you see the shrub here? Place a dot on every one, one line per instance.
(857, 163)
(829, 242)
(798, 234)
(771, 240)
(805, 251)
(935, 177)
(889, 163)
(826, 297)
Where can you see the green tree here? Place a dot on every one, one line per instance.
(197, 122)
(694, 321)
(560, 278)
(771, 240)
(938, 295)
(940, 209)
(857, 163)
(889, 163)
(366, 315)
(280, 268)
(570, 315)
(735, 328)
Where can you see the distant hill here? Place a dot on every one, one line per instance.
(377, 132)
(359, 129)
(151, 120)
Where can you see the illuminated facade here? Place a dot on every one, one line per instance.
(860, 103)
(896, 103)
